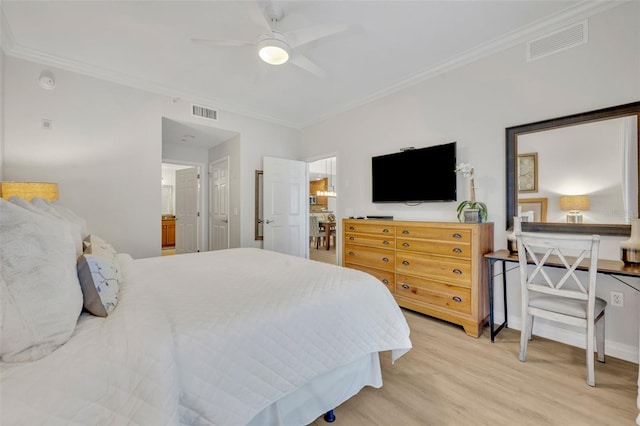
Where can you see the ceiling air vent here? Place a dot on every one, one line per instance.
(204, 112)
(557, 41)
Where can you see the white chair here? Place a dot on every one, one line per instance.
(567, 299)
(314, 230)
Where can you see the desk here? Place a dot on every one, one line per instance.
(327, 232)
(613, 268)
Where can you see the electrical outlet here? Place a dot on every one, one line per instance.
(617, 298)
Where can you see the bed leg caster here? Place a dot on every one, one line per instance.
(330, 417)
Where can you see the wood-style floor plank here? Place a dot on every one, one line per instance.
(449, 378)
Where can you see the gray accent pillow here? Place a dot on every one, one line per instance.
(99, 279)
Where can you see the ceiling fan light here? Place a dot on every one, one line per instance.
(273, 51)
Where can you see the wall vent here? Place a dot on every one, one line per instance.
(204, 112)
(557, 41)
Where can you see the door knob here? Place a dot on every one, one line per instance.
(269, 221)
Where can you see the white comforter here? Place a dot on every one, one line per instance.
(207, 338)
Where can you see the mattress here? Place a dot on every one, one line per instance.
(209, 338)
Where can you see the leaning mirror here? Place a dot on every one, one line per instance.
(575, 174)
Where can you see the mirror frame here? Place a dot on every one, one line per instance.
(512, 134)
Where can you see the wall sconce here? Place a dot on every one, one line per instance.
(575, 204)
(29, 190)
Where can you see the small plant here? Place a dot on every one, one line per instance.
(467, 171)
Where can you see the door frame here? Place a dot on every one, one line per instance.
(226, 158)
(204, 206)
(338, 244)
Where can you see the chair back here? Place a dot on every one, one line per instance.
(568, 251)
(314, 226)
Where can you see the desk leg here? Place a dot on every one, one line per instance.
(495, 331)
(327, 232)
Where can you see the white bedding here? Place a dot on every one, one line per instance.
(207, 338)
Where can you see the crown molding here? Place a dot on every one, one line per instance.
(570, 15)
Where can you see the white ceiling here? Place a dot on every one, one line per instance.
(388, 45)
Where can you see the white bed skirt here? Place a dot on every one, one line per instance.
(322, 394)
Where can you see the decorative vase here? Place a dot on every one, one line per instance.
(472, 216)
(630, 249)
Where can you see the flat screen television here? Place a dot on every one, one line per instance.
(415, 175)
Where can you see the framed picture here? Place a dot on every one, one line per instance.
(533, 209)
(528, 172)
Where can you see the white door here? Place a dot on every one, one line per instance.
(219, 204)
(285, 191)
(187, 210)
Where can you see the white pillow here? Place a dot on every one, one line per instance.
(100, 282)
(41, 296)
(98, 246)
(71, 216)
(76, 230)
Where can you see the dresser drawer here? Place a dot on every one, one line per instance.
(381, 241)
(434, 293)
(456, 271)
(369, 256)
(362, 227)
(386, 277)
(455, 249)
(438, 234)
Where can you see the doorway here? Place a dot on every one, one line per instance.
(180, 220)
(323, 221)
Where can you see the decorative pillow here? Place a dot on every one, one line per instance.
(98, 246)
(40, 293)
(100, 282)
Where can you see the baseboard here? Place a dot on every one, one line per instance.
(577, 339)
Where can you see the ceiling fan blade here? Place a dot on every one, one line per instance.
(307, 35)
(257, 14)
(212, 42)
(308, 65)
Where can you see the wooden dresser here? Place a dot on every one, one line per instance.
(436, 268)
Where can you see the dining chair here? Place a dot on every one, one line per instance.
(561, 297)
(314, 230)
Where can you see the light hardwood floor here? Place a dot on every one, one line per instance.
(449, 378)
(323, 255)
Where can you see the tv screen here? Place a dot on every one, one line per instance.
(415, 175)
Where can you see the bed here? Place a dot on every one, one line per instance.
(233, 337)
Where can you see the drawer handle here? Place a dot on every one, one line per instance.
(386, 243)
(385, 259)
(351, 253)
(385, 281)
(351, 238)
(457, 271)
(456, 235)
(405, 244)
(406, 232)
(405, 286)
(351, 228)
(455, 250)
(385, 230)
(405, 262)
(457, 299)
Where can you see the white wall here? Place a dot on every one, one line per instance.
(105, 151)
(231, 149)
(473, 105)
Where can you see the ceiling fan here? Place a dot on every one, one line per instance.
(275, 47)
